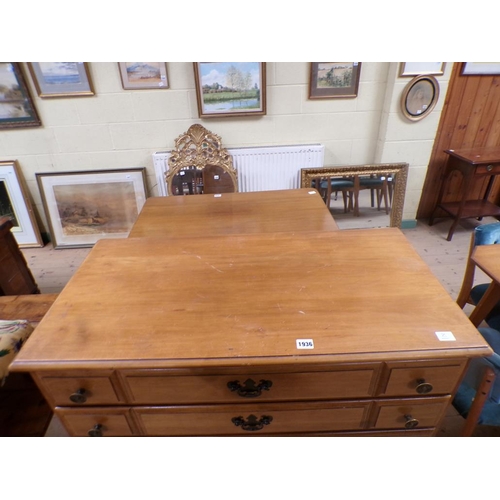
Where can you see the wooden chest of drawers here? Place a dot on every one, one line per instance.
(199, 337)
(356, 398)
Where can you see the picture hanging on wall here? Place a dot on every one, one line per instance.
(230, 88)
(330, 80)
(84, 207)
(419, 97)
(480, 68)
(16, 105)
(15, 204)
(61, 79)
(143, 75)
(421, 68)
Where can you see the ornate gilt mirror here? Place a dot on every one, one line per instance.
(395, 174)
(200, 165)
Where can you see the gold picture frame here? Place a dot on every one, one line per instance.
(16, 104)
(143, 75)
(399, 171)
(329, 80)
(61, 79)
(419, 97)
(421, 68)
(230, 88)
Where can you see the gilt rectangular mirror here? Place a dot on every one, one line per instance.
(395, 174)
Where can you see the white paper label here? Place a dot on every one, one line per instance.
(445, 336)
(217, 195)
(305, 343)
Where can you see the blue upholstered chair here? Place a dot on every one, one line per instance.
(376, 184)
(328, 185)
(486, 234)
(478, 396)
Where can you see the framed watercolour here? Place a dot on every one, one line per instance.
(419, 97)
(230, 88)
(61, 79)
(83, 207)
(16, 105)
(421, 68)
(14, 203)
(143, 75)
(329, 80)
(480, 68)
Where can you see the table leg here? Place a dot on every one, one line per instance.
(490, 298)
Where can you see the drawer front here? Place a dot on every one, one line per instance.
(422, 380)
(242, 388)
(79, 391)
(491, 169)
(410, 414)
(241, 420)
(97, 422)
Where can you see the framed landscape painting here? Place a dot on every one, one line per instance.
(15, 204)
(143, 75)
(230, 88)
(334, 79)
(84, 207)
(16, 106)
(61, 79)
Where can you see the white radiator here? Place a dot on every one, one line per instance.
(259, 168)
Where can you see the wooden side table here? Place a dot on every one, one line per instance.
(472, 164)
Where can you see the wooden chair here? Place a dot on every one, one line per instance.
(478, 396)
(486, 234)
(379, 186)
(200, 165)
(15, 275)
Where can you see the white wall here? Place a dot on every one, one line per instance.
(119, 128)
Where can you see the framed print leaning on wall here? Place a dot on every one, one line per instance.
(143, 75)
(15, 203)
(84, 207)
(61, 79)
(16, 106)
(230, 88)
(329, 80)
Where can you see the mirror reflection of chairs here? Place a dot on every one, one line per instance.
(200, 165)
(380, 187)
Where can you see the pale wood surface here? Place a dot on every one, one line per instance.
(234, 213)
(31, 307)
(487, 258)
(360, 295)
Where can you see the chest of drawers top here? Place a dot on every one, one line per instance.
(351, 296)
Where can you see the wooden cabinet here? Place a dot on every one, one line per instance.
(206, 336)
(368, 397)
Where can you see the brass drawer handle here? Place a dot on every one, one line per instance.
(80, 396)
(96, 431)
(252, 424)
(411, 422)
(249, 389)
(423, 387)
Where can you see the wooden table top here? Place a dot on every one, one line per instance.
(476, 156)
(233, 213)
(360, 295)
